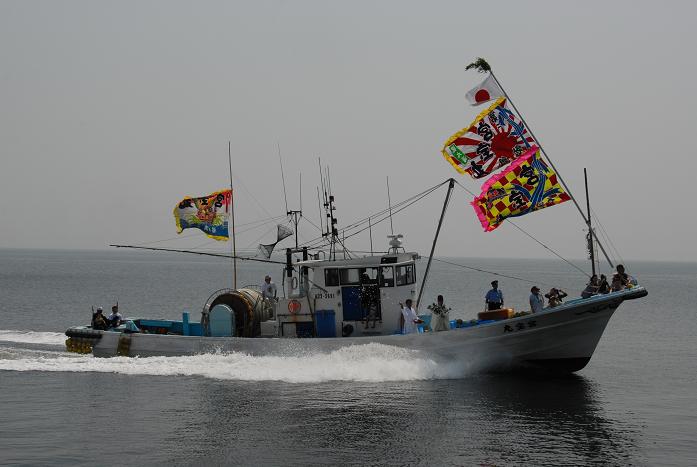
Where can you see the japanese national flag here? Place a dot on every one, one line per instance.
(484, 92)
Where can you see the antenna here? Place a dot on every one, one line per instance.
(283, 178)
(389, 204)
(297, 213)
(329, 207)
(319, 211)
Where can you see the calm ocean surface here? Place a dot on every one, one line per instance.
(634, 404)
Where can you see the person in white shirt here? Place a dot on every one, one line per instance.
(115, 317)
(268, 288)
(409, 318)
(537, 301)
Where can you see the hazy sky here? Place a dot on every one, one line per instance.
(111, 112)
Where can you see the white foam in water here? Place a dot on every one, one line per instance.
(371, 362)
(32, 337)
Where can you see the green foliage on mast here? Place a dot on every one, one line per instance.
(480, 65)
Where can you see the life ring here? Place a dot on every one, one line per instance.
(294, 306)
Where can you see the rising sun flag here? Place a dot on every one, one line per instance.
(494, 139)
(525, 186)
(207, 213)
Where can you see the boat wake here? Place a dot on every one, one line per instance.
(32, 337)
(368, 363)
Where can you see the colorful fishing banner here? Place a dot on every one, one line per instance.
(494, 139)
(525, 186)
(208, 213)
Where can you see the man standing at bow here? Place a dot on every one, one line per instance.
(494, 297)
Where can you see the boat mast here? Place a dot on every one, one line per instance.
(451, 185)
(561, 180)
(590, 235)
(296, 213)
(232, 216)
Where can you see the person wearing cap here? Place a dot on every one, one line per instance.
(98, 320)
(494, 297)
(268, 288)
(115, 317)
(537, 301)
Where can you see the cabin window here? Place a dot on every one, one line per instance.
(369, 276)
(350, 276)
(331, 277)
(386, 276)
(405, 274)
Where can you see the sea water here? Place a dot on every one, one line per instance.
(634, 404)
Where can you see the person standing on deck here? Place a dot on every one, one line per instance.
(494, 297)
(409, 318)
(268, 288)
(440, 317)
(537, 301)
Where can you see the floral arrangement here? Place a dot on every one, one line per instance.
(439, 310)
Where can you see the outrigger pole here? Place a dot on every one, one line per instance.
(451, 185)
(232, 215)
(218, 255)
(482, 65)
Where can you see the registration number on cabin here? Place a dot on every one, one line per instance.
(324, 295)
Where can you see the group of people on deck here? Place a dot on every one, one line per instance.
(494, 300)
(620, 281)
(102, 323)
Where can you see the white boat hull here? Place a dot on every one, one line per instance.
(561, 339)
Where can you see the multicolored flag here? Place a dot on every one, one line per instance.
(484, 92)
(494, 139)
(208, 213)
(525, 186)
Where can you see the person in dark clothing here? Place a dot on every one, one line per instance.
(603, 286)
(99, 322)
(494, 297)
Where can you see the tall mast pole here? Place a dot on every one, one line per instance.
(451, 185)
(552, 164)
(232, 216)
(590, 228)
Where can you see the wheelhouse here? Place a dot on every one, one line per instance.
(348, 297)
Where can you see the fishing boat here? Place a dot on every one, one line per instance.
(330, 299)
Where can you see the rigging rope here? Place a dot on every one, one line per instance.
(418, 198)
(532, 237)
(260, 223)
(490, 272)
(606, 235)
(385, 212)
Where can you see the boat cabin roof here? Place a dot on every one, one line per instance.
(367, 261)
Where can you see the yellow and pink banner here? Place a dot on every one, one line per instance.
(526, 185)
